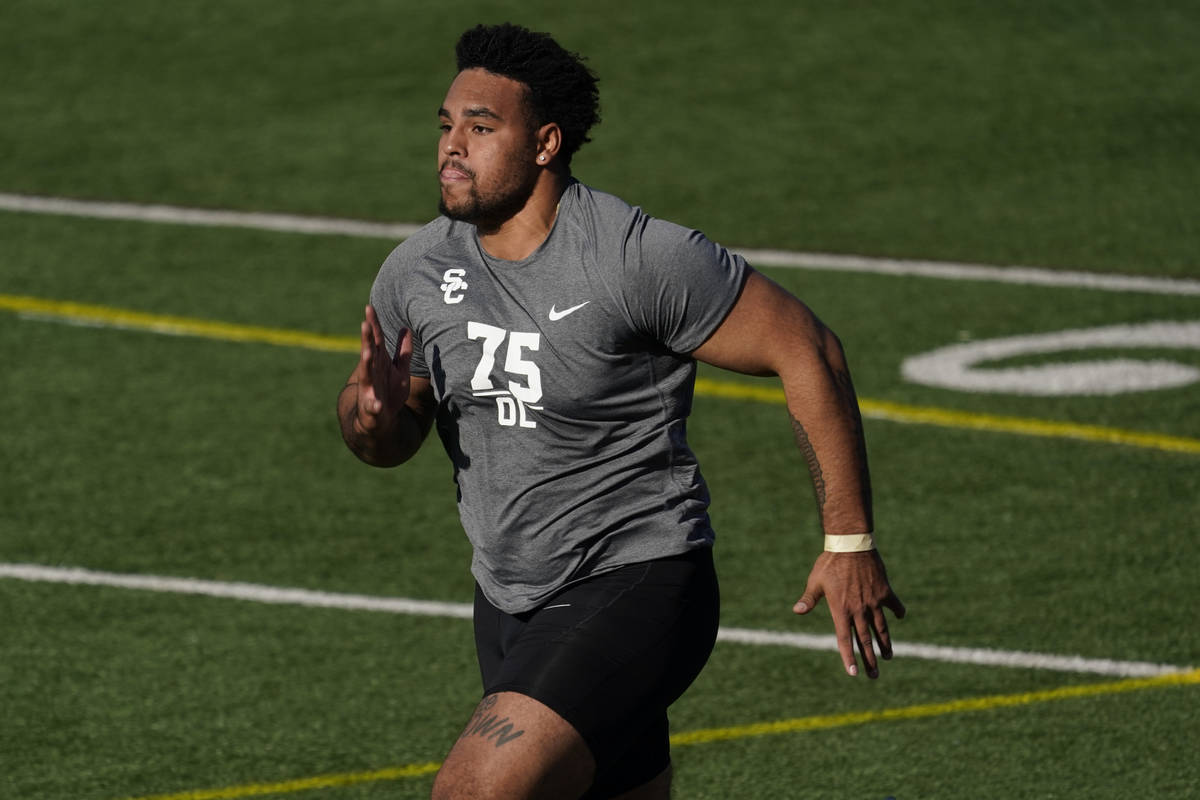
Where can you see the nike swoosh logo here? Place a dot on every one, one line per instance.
(556, 315)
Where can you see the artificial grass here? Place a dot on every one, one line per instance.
(1018, 132)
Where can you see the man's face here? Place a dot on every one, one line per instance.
(486, 150)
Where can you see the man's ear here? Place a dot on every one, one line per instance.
(549, 142)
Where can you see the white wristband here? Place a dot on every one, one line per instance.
(852, 543)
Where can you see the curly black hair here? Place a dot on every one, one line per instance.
(561, 88)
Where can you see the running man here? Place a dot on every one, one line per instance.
(551, 332)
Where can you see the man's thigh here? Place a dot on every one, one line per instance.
(608, 656)
(515, 747)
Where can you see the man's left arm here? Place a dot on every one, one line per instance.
(770, 332)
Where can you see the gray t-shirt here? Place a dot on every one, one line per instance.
(563, 384)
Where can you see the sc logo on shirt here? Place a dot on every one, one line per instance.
(453, 285)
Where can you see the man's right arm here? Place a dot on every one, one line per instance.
(385, 413)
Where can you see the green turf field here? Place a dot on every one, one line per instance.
(1057, 136)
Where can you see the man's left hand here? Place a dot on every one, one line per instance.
(856, 587)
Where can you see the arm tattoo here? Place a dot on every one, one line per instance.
(814, 466)
(489, 726)
(849, 402)
(846, 389)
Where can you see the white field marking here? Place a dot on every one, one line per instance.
(253, 592)
(177, 215)
(963, 655)
(960, 366)
(1028, 276)
(258, 593)
(949, 270)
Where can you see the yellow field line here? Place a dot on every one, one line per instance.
(81, 313)
(946, 418)
(304, 784)
(1030, 427)
(935, 709)
(710, 735)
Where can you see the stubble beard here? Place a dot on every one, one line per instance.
(489, 209)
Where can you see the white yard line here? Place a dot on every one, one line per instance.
(947, 270)
(1028, 276)
(177, 215)
(276, 595)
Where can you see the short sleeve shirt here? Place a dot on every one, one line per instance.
(563, 383)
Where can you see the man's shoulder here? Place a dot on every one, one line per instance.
(441, 233)
(600, 218)
(590, 201)
(611, 221)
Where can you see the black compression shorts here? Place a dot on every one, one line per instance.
(609, 655)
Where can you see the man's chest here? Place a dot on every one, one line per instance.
(528, 345)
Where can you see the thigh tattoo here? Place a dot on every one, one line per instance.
(486, 724)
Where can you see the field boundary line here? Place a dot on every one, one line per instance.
(736, 732)
(295, 223)
(275, 595)
(105, 316)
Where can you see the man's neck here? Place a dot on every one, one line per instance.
(517, 237)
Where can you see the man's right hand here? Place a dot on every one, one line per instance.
(385, 412)
(383, 380)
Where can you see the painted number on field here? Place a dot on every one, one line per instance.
(964, 366)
